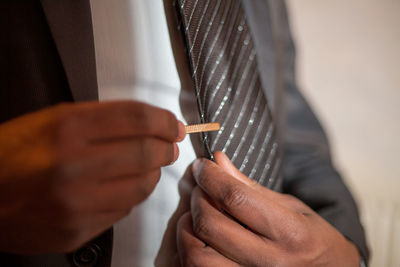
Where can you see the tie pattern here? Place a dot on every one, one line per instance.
(227, 85)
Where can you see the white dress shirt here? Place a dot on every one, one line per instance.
(134, 61)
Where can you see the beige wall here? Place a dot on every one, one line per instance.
(349, 68)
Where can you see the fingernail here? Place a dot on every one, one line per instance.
(181, 132)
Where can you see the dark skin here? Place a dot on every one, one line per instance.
(280, 230)
(71, 171)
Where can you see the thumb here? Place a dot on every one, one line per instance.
(224, 162)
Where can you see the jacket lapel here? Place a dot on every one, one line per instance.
(258, 14)
(70, 23)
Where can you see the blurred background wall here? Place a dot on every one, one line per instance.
(349, 68)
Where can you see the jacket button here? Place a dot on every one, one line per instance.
(87, 256)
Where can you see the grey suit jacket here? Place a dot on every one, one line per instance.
(47, 57)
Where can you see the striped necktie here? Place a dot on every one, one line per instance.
(228, 89)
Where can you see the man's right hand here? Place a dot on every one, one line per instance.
(69, 172)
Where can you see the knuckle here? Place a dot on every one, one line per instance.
(202, 227)
(297, 235)
(234, 196)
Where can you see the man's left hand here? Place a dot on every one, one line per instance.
(235, 221)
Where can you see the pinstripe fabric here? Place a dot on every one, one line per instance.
(228, 89)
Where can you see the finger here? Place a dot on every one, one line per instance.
(181, 132)
(125, 192)
(251, 206)
(99, 122)
(223, 161)
(227, 236)
(193, 252)
(128, 157)
(285, 200)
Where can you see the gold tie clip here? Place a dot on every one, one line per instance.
(205, 127)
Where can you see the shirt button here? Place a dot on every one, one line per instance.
(87, 256)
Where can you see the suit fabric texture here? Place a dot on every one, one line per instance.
(47, 57)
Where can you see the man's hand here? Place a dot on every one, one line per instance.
(69, 172)
(279, 230)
